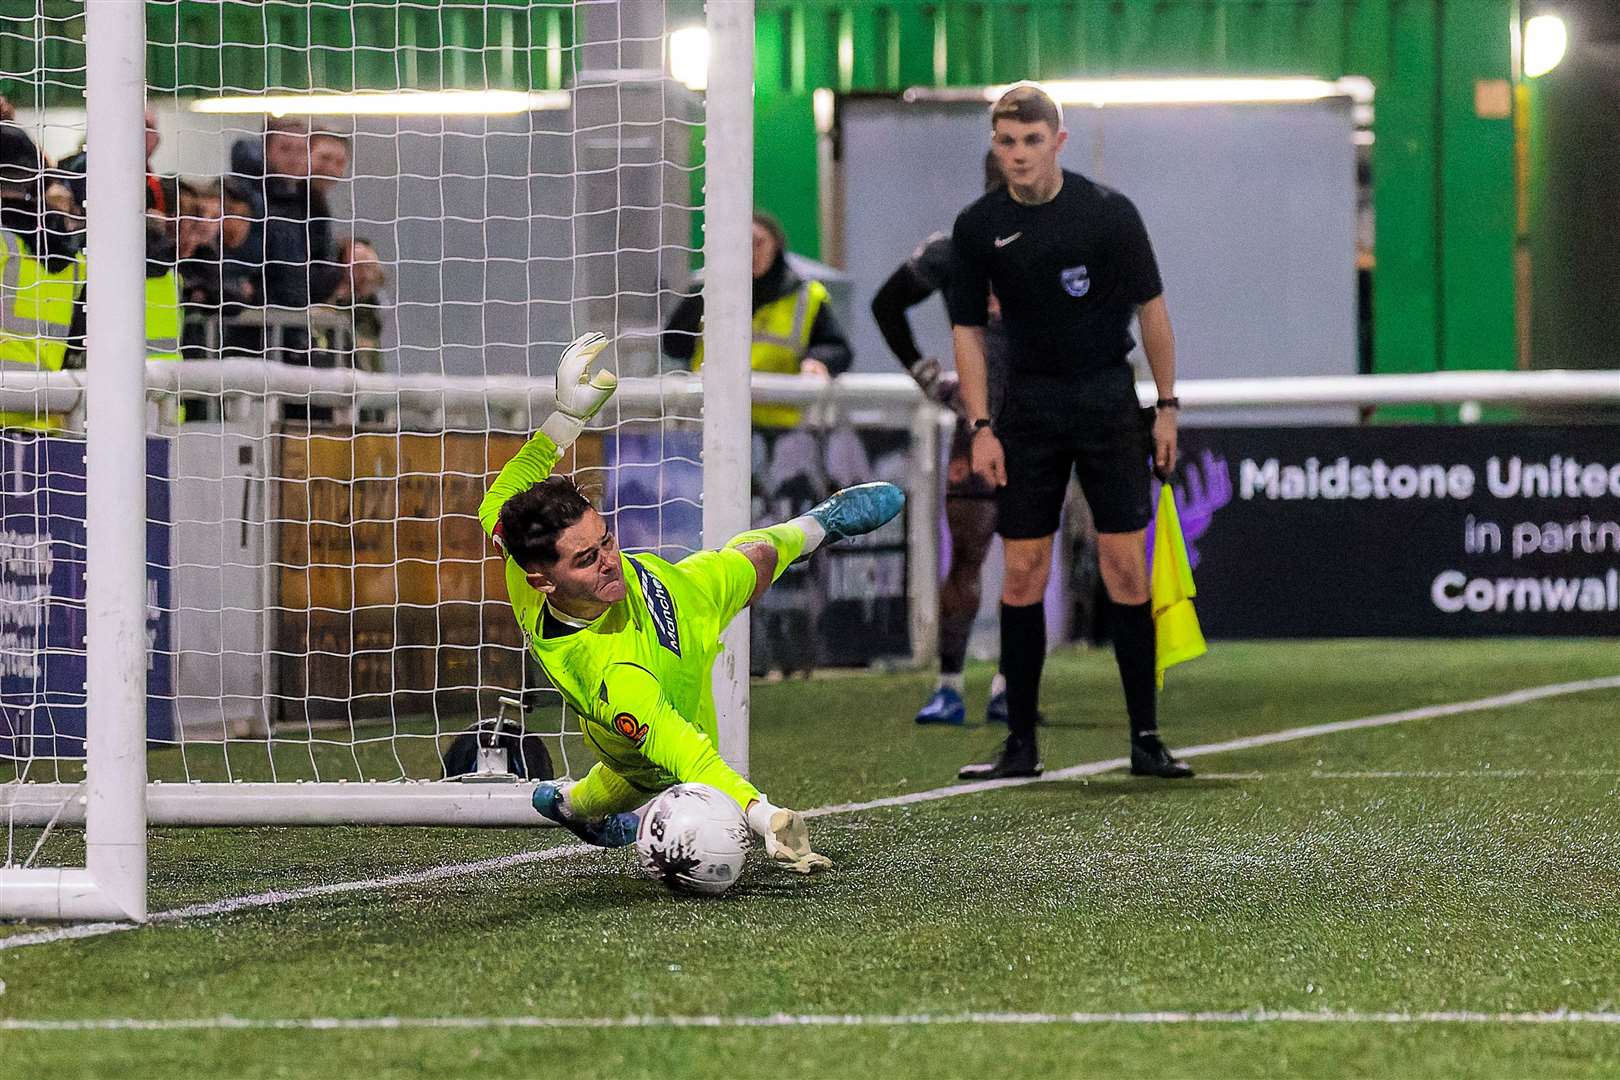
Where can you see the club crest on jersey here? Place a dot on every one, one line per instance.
(661, 606)
(1076, 280)
(631, 728)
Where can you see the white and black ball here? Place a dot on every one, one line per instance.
(694, 839)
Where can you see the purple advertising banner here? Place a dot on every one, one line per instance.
(1403, 531)
(42, 597)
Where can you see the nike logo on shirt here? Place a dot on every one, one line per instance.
(1003, 241)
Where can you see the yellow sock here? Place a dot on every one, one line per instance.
(787, 538)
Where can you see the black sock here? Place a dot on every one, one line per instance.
(1023, 653)
(954, 632)
(1134, 651)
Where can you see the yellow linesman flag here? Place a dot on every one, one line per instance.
(1175, 624)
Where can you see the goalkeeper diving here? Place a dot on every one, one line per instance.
(630, 640)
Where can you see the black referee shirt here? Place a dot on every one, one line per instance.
(1069, 274)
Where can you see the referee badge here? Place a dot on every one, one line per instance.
(1077, 280)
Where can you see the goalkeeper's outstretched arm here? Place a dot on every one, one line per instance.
(580, 396)
(645, 718)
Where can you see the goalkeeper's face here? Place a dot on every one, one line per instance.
(587, 573)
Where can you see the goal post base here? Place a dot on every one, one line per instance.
(429, 802)
(70, 894)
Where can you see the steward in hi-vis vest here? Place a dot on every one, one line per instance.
(41, 271)
(793, 324)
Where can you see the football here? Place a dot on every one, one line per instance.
(694, 839)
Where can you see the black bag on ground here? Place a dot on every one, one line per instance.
(525, 754)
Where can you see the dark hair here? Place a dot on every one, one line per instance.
(234, 190)
(765, 220)
(1027, 104)
(994, 178)
(532, 520)
(285, 125)
(21, 163)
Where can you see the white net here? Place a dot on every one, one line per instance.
(382, 223)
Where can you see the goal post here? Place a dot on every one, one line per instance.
(315, 616)
(727, 328)
(112, 884)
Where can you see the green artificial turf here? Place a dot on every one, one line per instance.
(1462, 863)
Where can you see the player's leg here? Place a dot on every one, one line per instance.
(852, 511)
(972, 523)
(970, 510)
(597, 809)
(1114, 475)
(1028, 511)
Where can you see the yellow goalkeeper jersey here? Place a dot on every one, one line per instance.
(639, 675)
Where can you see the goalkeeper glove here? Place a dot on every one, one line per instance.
(938, 385)
(787, 838)
(580, 395)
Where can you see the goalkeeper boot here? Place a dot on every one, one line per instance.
(614, 830)
(945, 707)
(859, 509)
(1150, 757)
(1018, 757)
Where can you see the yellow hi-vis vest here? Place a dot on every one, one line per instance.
(36, 317)
(781, 338)
(163, 316)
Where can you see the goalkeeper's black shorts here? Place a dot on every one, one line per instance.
(1093, 428)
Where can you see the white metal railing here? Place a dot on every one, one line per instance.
(22, 389)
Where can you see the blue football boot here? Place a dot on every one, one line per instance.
(945, 707)
(615, 830)
(859, 509)
(995, 711)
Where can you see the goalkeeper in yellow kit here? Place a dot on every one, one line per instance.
(630, 640)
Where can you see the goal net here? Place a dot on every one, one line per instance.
(370, 231)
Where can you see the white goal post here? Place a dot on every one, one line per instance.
(588, 202)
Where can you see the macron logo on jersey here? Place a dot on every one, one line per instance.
(1003, 241)
(661, 606)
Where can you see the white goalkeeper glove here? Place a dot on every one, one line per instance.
(580, 394)
(787, 838)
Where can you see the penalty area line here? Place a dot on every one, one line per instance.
(1092, 768)
(1247, 742)
(813, 1020)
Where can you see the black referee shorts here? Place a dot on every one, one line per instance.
(1107, 444)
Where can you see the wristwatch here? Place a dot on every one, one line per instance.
(981, 424)
(1168, 403)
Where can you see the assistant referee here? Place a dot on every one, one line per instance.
(1071, 263)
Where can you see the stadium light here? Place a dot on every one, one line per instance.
(1545, 40)
(1103, 92)
(437, 103)
(689, 57)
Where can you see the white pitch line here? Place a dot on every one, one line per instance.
(791, 1020)
(287, 896)
(1092, 768)
(1248, 742)
(1464, 774)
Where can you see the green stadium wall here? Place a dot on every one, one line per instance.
(1443, 174)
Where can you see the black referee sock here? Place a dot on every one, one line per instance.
(1134, 652)
(1023, 654)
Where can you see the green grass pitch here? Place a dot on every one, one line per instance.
(1465, 864)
